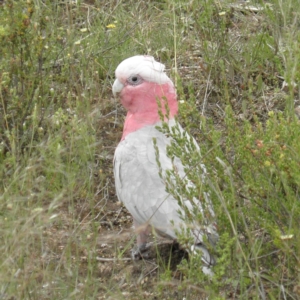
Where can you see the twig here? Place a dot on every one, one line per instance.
(143, 277)
(107, 259)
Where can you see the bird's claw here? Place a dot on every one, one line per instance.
(140, 252)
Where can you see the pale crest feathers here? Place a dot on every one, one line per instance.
(145, 66)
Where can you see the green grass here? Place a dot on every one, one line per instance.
(60, 125)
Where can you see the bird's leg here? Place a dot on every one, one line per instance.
(142, 236)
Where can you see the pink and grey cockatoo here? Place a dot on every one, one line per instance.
(140, 83)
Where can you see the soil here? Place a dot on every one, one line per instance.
(117, 273)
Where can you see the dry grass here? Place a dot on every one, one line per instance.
(63, 233)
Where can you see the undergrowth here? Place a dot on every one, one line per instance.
(236, 72)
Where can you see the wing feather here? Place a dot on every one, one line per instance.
(139, 186)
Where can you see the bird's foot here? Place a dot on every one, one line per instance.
(140, 252)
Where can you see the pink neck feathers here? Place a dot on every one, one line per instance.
(141, 104)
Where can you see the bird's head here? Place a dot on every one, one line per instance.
(141, 82)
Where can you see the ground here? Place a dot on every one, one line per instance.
(64, 233)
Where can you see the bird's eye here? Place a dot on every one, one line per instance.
(134, 80)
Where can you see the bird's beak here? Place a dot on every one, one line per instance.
(117, 87)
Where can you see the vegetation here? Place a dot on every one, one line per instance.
(236, 68)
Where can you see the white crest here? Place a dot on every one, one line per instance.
(145, 66)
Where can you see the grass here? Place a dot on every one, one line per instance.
(60, 224)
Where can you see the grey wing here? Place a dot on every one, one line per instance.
(138, 183)
(141, 188)
(205, 206)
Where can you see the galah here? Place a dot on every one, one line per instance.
(140, 83)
